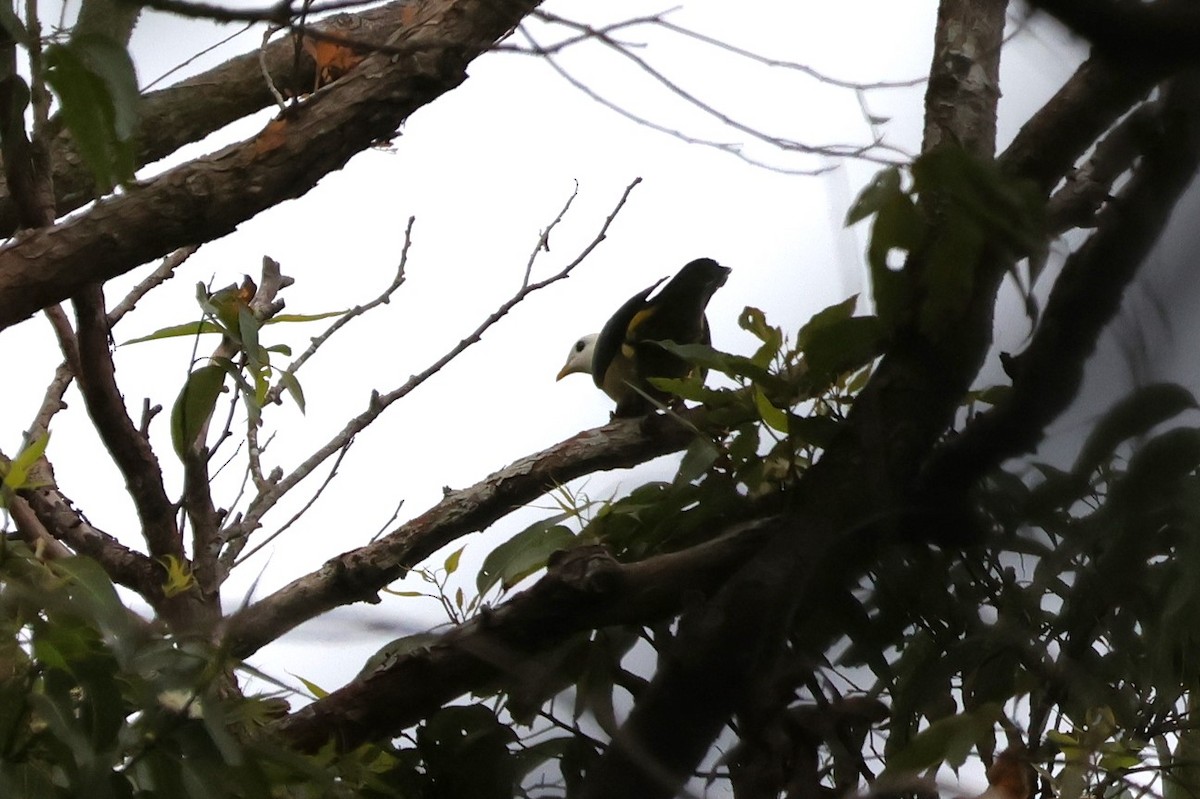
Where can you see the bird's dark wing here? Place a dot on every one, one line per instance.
(679, 308)
(616, 331)
(675, 314)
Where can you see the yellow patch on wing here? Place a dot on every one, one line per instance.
(638, 318)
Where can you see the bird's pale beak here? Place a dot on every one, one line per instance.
(563, 372)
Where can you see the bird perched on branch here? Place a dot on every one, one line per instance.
(622, 355)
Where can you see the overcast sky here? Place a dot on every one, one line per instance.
(483, 170)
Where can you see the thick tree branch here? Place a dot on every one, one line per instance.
(964, 79)
(209, 197)
(1085, 297)
(908, 402)
(358, 575)
(33, 532)
(1089, 103)
(583, 589)
(1088, 188)
(130, 449)
(125, 566)
(193, 108)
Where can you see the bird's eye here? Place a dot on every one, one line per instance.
(579, 345)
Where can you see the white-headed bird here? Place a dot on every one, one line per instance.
(622, 356)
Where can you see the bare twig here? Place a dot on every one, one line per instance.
(379, 402)
(195, 57)
(383, 527)
(660, 20)
(52, 400)
(832, 151)
(67, 342)
(266, 73)
(333, 471)
(162, 273)
(732, 148)
(358, 575)
(368, 104)
(281, 14)
(543, 240)
(385, 297)
(254, 459)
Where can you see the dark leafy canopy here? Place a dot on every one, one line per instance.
(1047, 611)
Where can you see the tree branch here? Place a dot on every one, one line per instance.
(964, 79)
(130, 450)
(1089, 103)
(907, 404)
(583, 589)
(1085, 297)
(125, 566)
(197, 106)
(209, 197)
(267, 499)
(359, 575)
(1087, 188)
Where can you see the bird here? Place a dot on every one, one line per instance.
(622, 356)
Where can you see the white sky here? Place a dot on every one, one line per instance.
(484, 169)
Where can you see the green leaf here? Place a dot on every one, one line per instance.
(773, 417)
(110, 62)
(248, 327)
(302, 317)
(898, 226)
(523, 554)
(1181, 773)
(292, 385)
(392, 651)
(1160, 463)
(754, 321)
(699, 457)
(948, 740)
(16, 476)
(1007, 210)
(951, 262)
(708, 358)
(690, 388)
(195, 405)
(96, 85)
(317, 691)
(845, 345)
(93, 595)
(465, 753)
(452, 560)
(532, 757)
(175, 331)
(1135, 415)
(831, 315)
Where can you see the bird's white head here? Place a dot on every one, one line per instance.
(580, 357)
